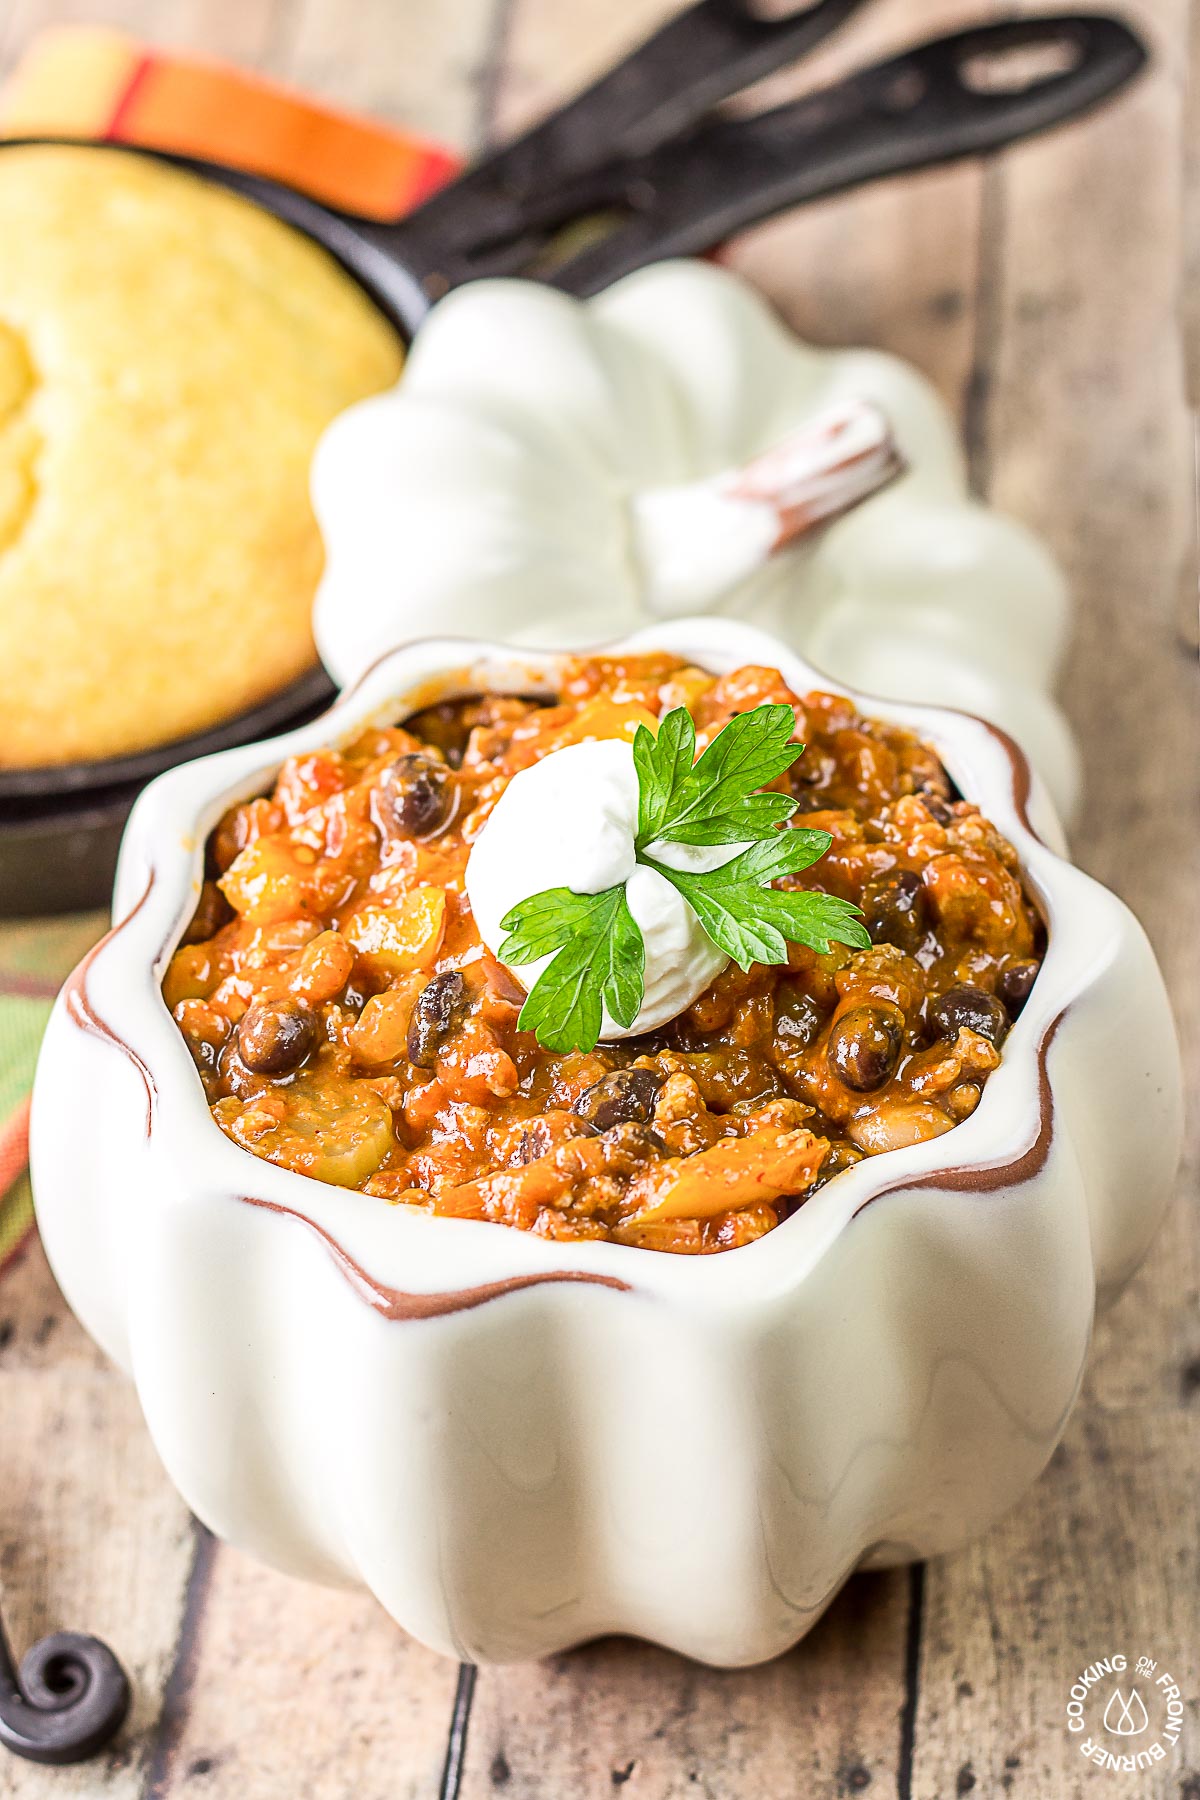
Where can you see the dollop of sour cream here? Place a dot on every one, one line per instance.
(570, 821)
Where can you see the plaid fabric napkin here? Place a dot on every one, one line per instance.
(81, 81)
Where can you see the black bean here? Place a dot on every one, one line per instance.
(616, 1099)
(798, 1018)
(411, 797)
(544, 1135)
(1015, 983)
(970, 1007)
(439, 1004)
(938, 804)
(896, 909)
(275, 1036)
(864, 1046)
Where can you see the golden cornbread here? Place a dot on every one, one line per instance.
(169, 355)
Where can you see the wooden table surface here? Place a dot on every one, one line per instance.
(1042, 295)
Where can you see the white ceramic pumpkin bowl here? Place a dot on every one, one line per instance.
(547, 472)
(517, 1444)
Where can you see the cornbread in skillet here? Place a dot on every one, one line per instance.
(169, 355)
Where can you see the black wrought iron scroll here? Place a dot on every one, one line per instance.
(66, 1701)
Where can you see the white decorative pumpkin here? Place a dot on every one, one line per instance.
(519, 1444)
(556, 471)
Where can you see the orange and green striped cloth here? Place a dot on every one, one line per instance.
(35, 959)
(83, 81)
(88, 81)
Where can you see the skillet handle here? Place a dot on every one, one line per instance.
(655, 94)
(961, 95)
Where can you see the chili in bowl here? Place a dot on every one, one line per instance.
(456, 1366)
(349, 1023)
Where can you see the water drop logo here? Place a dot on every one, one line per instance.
(1141, 1725)
(1126, 1716)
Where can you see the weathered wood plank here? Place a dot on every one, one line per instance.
(1086, 437)
(826, 1719)
(294, 1690)
(1188, 613)
(1100, 1559)
(894, 265)
(1190, 293)
(544, 51)
(38, 1330)
(1082, 432)
(92, 1537)
(419, 65)
(240, 29)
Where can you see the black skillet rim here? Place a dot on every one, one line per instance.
(56, 781)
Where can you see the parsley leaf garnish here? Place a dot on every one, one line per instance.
(713, 801)
(598, 957)
(752, 922)
(599, 961)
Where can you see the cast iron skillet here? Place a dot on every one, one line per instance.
(637, 168)
(60, 828)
